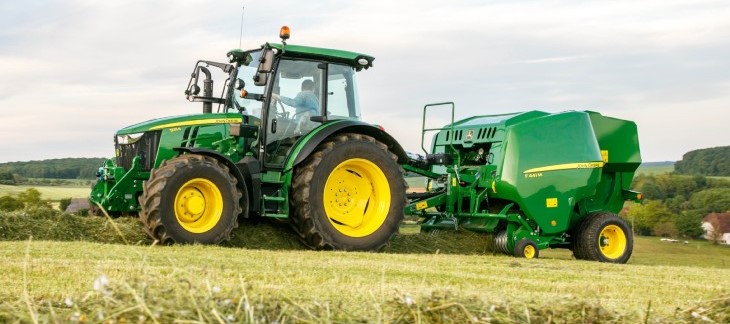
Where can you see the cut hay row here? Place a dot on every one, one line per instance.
(264, 275)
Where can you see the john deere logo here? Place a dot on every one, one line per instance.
(469, 134)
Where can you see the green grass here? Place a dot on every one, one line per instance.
(415, 183)
(264, 275)
(49, 192)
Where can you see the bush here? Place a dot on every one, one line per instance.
(9, 203)
(64, 203)
(665, 229)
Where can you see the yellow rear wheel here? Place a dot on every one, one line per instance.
(612, 241)
(603, 236)
(356, 197)
(348, 194)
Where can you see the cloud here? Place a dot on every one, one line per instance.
(76, 71)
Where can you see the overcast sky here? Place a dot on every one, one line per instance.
(76, 71)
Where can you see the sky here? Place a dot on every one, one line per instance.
(74, 72)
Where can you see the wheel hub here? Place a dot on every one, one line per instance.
(192, 204)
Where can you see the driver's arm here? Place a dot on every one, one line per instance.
(296, 102)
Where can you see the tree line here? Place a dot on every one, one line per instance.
(676, 204)
(709, 162)
(68, 168)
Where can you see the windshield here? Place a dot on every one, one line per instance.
(246, 73)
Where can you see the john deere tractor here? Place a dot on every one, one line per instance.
(290, 145)
(263, 153)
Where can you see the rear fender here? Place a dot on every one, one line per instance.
(309, 143)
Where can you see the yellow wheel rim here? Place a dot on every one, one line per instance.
(357, 197)
(198, 205)
(529, 251)
(612, 242)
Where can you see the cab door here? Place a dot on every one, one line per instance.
(296, 96)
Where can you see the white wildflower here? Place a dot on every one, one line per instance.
(216, 289)
(101, 283)
(408, 300)
(68, 302)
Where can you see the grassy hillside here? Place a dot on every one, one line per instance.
(264, 275)
(50, 192)
(655, 168)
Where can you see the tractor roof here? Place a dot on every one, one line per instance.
(326, 54)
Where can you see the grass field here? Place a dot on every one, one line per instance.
(264, 275)
(49, 192)
(655, 168)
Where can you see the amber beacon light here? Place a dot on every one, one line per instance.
(284, 32)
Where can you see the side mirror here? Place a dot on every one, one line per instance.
(266, 64)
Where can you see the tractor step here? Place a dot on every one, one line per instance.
(277, 199)
(277, 215)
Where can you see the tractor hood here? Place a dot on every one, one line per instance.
(181, 121)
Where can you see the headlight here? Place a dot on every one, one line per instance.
(129, 138)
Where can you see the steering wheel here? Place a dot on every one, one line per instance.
(283, 113)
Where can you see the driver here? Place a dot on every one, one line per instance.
(306, 102)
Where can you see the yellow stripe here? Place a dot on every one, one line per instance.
(567, 166)
(199, 122)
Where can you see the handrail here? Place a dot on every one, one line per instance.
(451, 125)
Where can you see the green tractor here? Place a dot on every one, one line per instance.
(291, 146)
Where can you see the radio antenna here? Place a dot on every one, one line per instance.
(240, 36)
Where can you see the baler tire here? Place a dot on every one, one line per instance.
(168, 202)
(343, 165)
(603, 237)
(526, 248)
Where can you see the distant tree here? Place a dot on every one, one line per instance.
(10, 203)
(7, 178)
(710, 162)
(32, 198)
(665, 229)
(69, 168)
(646, 216)
(689, 224)
(714, 200)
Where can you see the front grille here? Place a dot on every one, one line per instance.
(145, 147)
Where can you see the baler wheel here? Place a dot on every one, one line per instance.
(526, 248)
(190, 198)
(348, 195)
(604, 237)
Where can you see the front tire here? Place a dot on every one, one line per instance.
(348, 195)
(191, 199)
(604, 237)
(526, 248)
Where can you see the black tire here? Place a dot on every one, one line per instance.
(343, 155)
(604, 237)
(526, 248)
(188, 179)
